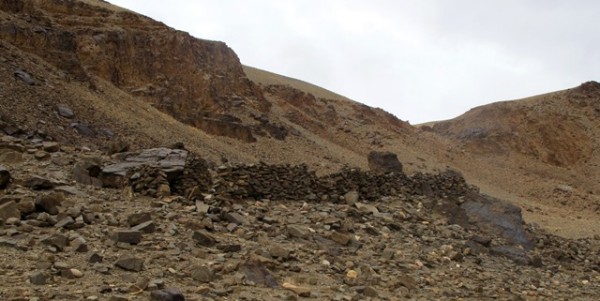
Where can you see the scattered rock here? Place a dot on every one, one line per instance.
(11, 157)
(80, 245)
(65, 111)
(39, 183)
(341, 238)
(50, 202)
(127, 236)
(130, 263)
(95, 258)
(494, 217)
(65, 222)
(58, 241)
(71, 273)
(170, 294)
(277, 251)
(204, 239)
(236, 218)
(25, 77)
(39, 278)
(298, 290)
(256, 273)
(202, 274)
(145, 227)
(50, 147)
(138, 218)
(171, 162)
(83, 129)
(201, 207)
(299, 231)
(8, 210)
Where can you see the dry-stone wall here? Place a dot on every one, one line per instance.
(299, 183)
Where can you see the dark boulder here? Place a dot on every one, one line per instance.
(384, 162)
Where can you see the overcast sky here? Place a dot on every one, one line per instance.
(421, 60)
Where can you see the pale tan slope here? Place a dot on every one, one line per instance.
(264, 77)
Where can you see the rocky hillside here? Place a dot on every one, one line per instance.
(138, 162)
(100, 77)
(162, 224)
(541, 152)
(558, 128)
(108, 51)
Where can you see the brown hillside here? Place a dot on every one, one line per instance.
(136, 78)
(132, 80)
(542, 149)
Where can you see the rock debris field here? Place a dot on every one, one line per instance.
(163, 224)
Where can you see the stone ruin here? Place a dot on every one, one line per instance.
(163, 171)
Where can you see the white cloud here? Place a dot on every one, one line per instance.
(419, 59)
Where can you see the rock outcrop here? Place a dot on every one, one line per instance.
(191, 79)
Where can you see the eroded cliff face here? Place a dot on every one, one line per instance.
(188, 78)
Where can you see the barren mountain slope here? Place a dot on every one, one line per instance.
(133, 81)
(124, 72)
(100, 201)
(542, 150)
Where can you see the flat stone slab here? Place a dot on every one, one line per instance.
(171, 161)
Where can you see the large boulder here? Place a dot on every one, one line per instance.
(494, 218)
(499, 218)
(384, 162)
